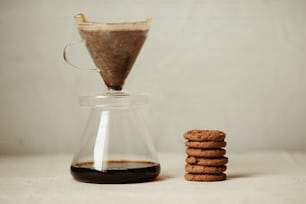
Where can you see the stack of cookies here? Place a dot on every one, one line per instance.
(205, 155)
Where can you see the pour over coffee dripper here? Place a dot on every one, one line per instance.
(115, 147)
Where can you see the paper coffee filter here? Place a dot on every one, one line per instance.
(90, 25)
(113, 47)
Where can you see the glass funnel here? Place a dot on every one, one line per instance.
(115, 147)
(113, 47)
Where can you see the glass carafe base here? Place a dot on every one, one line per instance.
(116, 146)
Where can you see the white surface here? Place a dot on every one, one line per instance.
(271, 178)
(235, 65)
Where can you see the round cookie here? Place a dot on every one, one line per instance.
(203, 161)
(205, 144)
(196, 169)
(205, 177)
(204, 135)
(205, 152)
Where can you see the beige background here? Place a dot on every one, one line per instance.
(234, 65)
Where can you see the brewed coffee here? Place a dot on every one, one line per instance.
(116, 172)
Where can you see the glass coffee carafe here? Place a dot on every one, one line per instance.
(115, 147)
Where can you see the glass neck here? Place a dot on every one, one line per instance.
(113, 92)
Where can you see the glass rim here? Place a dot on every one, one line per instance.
(117, 99)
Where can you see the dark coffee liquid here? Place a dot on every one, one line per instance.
(116, 172)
